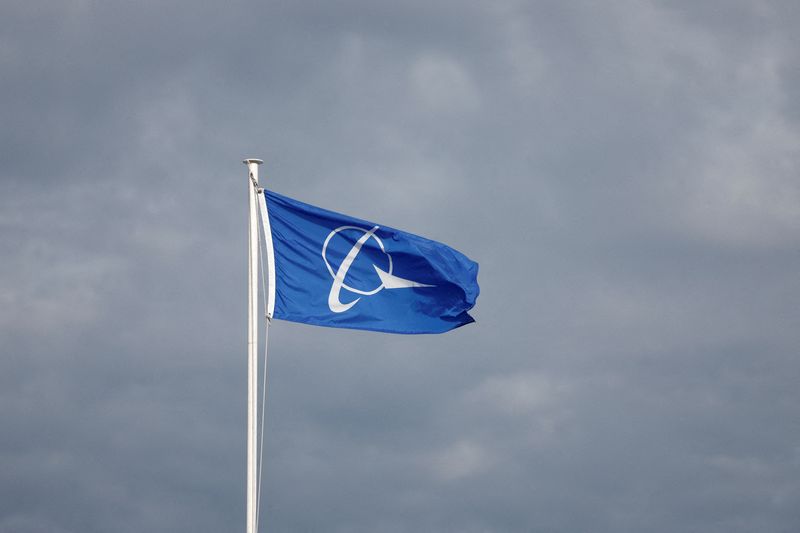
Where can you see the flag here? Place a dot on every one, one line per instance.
(338, 271)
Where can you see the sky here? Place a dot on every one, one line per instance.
(624, 172)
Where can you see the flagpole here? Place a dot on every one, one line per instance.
(252, 346)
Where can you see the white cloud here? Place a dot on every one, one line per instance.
(517, 393)
(168, 122)
(733, 174)
(29, 523)
(442, 83)
(746, 190)
(527, 60)
(460, 460)
(740, 466)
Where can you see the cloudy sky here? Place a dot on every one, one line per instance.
(625, 173)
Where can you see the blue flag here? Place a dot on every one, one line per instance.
(339, 271)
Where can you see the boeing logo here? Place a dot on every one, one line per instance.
(387, 279)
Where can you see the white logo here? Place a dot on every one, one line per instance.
(388, 281)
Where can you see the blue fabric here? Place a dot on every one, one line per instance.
(423, 286)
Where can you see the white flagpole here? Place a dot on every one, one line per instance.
(252, 347)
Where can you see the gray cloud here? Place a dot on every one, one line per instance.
(624, 173)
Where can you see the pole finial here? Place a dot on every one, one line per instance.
(256, 161)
